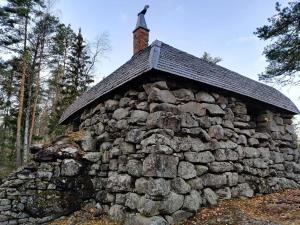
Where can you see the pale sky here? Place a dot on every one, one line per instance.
(223, 28)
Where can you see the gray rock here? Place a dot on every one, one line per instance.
(92, 156)
(117, 212)
(111, 105)
(184, 94)
(219, 167)
(181, 216)
(232, 178)
(138, 116)
(228, 144)
(251, 152)
(197, 145)
(172, 203)
(134, 167)
(224, 193)
(204, 97)
(158, 187)
(228, 124)
(213, 109)
(4, 202)
(165, 120)
(192, 107)
(120, 113)
(122, 124)
(199, 157)
(192, 201)
(242, 190)
(180, 186)
(70, 152)
(162, 85)
(187, 120)
(214, 180)
(261, 136)
(220, 155)
(253, 142)
(127, 148)
(148, 207)
(242, 140)
(157, 95)
(241, 125)
(124, 102)
(210, 196)
(165, 107)
(196, 183)
(119, 182)
(260, 163)
(141, 220)
(134, 136)
(141, 185)
(200, 169)
(156, 165)
(132, 200)
(231, 155)
(70, 167)
(113, 153)
(216, 132)
(143, 106)
(186, 170)
(88, 143)
(277, 157)
(159, 139)
(120, 199)
(163, 149)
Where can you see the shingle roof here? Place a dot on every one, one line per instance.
(162, 57)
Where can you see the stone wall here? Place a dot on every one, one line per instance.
(54, 184)
(159, 152)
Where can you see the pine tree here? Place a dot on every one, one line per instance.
(283, 54)
(60, 51)
(8, 114)
(208, 58)
(77, 79)
(15, 22)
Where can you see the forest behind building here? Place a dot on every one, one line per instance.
(44, 66)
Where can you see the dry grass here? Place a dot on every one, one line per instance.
(277, 208)
(77, 136)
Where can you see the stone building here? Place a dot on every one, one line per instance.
(165, 134)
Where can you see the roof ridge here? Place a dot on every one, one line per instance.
(154, 54)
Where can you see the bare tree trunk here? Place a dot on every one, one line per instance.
(36, 93)
(28, 106)
(21, 99)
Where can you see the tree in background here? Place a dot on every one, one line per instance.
(46, 66)
(8, 105)
(15, 26)
(283, 54)
(208, 58)
(60, 51)
(77, 77)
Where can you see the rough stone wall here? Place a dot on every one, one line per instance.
(54, 184)
(166, 152)
(155, 155)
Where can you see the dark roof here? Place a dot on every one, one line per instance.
(162, 57)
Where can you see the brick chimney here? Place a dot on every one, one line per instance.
(141, 32)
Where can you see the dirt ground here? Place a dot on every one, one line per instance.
(282, 208)
(277, 208)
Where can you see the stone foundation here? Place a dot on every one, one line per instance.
(158, 153)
